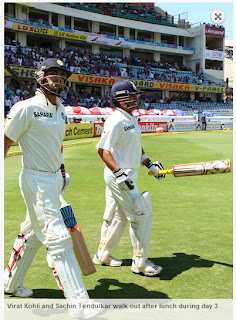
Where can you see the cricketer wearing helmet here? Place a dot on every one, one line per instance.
(38, 124)
(121, 150)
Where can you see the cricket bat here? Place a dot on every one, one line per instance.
(196, 169)
(79, 245)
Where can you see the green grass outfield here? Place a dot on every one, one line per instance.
(192, 234)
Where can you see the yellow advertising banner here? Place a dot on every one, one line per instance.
(70, 35)
(33, 29)
(90, 79)
(79, 130)
(179, 86)
(28, 4)
(21, 72)
(146, 84)
(49, 32)
(93, 79)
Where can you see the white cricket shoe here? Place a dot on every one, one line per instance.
(149, 270)
(89, 309)
(111, 261)
(22, 292)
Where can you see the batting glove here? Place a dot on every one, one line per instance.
(65, 178)
(123, 180)
(154, 167)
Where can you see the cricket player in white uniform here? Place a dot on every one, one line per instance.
(38, 124)
(121, 150)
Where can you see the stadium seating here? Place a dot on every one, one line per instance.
(139, 66)
(221, 109)
(141, 69)
(115, 10)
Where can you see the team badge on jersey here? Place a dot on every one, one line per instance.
(63, 116)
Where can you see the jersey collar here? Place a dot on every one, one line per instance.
(42, 96)
(125, 113)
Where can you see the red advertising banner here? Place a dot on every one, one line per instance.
(146, 127)
(214, 32)
(98, 129)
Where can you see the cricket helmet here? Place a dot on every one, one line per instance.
(53, 64)
(121, 90)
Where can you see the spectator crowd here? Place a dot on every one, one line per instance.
(82, 61)
(91, 97)
(144, 12)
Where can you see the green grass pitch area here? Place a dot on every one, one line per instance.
(192, 233)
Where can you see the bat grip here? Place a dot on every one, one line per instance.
(62, 200)
(160, 172)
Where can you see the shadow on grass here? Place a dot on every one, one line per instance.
(173, 266)
(42, 293)
(101, 291)
(123, 291)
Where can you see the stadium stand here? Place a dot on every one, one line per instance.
(128, 11)
(107, 62)
(103, 65)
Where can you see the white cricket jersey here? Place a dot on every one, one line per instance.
(39, 127)
(122, 137)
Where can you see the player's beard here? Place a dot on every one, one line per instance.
(54, 89)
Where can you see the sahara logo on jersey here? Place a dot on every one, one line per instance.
(132, 126)
(43, 114)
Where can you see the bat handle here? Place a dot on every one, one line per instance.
(62, 200)
(129, 172)
(160, 172)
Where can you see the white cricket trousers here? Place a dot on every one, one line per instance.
(40, 191)
(44, 225)
(124, 199)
